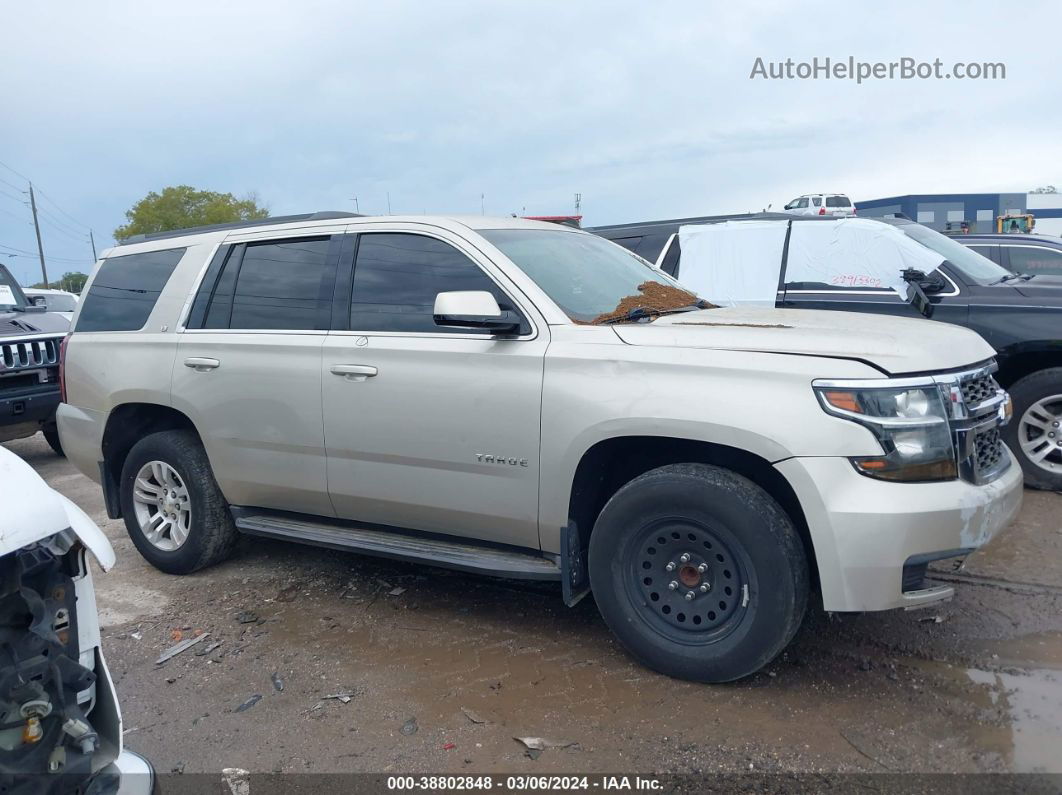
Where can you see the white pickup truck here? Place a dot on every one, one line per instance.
(519, 399)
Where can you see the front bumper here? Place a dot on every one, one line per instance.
(864, 531)
(24, 412)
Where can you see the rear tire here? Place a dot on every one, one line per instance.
(1038, 414)
(175, 463)
(746, 569)
(51, 435)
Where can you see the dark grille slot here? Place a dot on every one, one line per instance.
(977, 390)
(988, 450)
(914, 576)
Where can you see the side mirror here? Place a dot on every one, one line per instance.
(473, 309)
(38, 300)
(931, 283)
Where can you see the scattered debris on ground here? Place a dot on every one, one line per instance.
(246, 705)
(184, 645)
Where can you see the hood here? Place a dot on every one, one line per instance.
(30, 510)
(1042, 287)
(892, 344)
(24, 324)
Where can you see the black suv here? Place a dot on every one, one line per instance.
(1038, 255)
(1020, 315)
(29, 365)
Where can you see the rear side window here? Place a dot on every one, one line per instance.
(396, 279)
(816, 200)
(838, 201)
(125, 290)
(273, 285)
(283, 285)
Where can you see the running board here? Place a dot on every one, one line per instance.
(399, 546)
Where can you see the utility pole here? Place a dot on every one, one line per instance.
(355, 200)
(37, 229)
(388, 202)
(92, 240)
(482, 205)
(578, 202)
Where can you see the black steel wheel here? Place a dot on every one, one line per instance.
(689, 581)
(699, 572)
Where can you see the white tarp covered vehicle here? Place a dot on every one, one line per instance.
(741, 262)
(60, 726)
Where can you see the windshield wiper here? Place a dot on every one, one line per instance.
(1008, 277)
(648, 313)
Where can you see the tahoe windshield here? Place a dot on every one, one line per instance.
(591, 279)
(10, 293)
(975, 267)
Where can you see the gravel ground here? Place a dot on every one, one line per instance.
(336, 663)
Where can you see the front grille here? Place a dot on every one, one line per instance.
(29, 353)
(975, 422)
(988, 450)
(978, 389)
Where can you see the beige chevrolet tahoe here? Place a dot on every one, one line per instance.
(519, 399)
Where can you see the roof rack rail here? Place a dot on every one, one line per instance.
(323, 215)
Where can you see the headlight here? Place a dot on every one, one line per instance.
(910, 422)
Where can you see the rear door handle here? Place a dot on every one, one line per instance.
(354, 372)
(201, 364)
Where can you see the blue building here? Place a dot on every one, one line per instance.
(943, 211)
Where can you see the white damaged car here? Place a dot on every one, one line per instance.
(60, 726)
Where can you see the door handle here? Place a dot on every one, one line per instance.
(354, 372)
(201, 364)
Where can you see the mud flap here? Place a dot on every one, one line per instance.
(575, 573)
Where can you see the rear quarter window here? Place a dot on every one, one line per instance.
(125, 290)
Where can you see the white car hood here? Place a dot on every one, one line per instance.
(893, 344)
(30, 510)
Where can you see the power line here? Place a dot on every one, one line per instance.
(77, 236)
(20, 250)
(56, 222)
(18, 199)
(51, 201)
(16, 173)
(8, 212)
(12, 185)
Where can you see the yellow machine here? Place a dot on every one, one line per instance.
(1015, 224)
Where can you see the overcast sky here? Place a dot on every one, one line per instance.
(646, 109)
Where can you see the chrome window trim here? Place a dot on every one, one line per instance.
(189, 299)
(467, 250)
(881, 291)
(664, 250)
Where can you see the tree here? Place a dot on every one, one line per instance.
(72, 282)
(1045, 189)
(181, 206)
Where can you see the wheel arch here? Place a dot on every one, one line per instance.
(1027, 358)
(610, 463)
(127, 424)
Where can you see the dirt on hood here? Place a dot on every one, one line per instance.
(653, 297)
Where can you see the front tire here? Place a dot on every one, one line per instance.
(1035, 432)
(174, 511)
(699, 572)
(51, 436)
